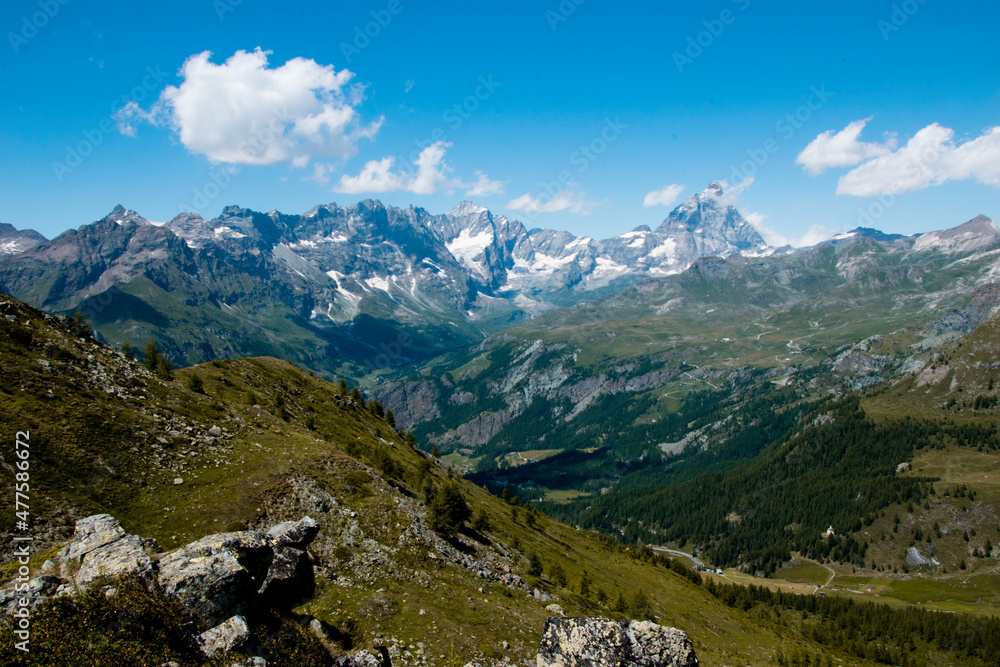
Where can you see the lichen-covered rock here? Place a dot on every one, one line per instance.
(231, 634)
(213, 586)
(254, 550)
(597, 642)
(120, 557)
(92, 533)
(297, 534)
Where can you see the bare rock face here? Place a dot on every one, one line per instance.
(596, 642)
(92, 533)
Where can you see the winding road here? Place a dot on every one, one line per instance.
(680, 553)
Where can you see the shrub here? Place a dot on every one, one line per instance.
(448, 509)
(535, 567)
(194, 383)
(134, 628)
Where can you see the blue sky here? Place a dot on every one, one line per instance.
(565, 115)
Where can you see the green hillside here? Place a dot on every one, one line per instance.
(258, 441)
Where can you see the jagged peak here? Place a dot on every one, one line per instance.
(121, 215)
(714, 188)
(466, 207)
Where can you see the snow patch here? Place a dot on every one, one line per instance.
(379, 283)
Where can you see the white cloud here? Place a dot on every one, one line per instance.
(376, 176)
(664, 197)
(431, 175)
(841, 149)
(131, 115)
(245, 112)
(815, 234)
(568, 200)
(484, 187)
(431, 170)
(930, 157)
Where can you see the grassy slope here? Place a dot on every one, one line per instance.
(98, 445)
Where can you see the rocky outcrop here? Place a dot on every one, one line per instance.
(101, 549)
(596, 642)
(212, 585)
(218, 578)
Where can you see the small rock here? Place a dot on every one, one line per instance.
(215, 431)
(555, 609)
(229, 635)
(178, 481)
(359, 659)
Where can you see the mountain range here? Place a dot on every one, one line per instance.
(368, 284)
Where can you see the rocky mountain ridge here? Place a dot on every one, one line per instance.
(341, 283)
(357, 289)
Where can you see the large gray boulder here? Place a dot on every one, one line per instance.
(220, 576)
(92, 533)
(212, 586)
(597, 642)
(254, 550)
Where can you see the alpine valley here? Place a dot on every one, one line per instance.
(434, 432)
